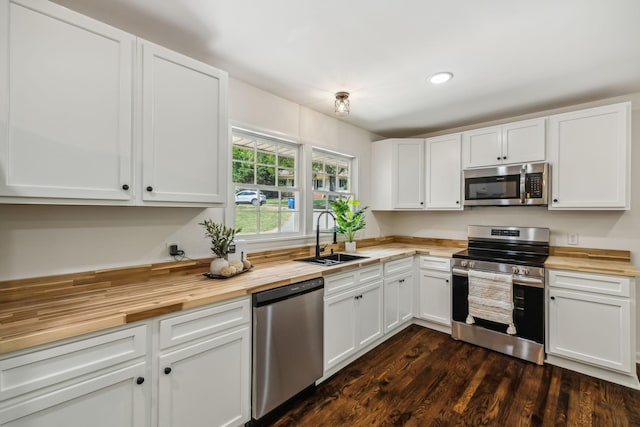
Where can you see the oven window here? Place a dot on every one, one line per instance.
(493, 187)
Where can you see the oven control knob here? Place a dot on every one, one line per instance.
(471, 264)
(514, 270)
(463, 263)
(525, 270)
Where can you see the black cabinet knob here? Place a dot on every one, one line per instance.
(167, 371)
(504, 157)
(125, 187)
(552, 297)
(149, 188)
(446, 280)
(457, 202)
(422, 203)
(498, 158)
(139, 380)
(555, 200)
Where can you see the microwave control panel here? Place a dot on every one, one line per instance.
(533, 185)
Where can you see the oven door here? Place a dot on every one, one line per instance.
(528, 301)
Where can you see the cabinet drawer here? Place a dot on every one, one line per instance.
(339, 282)
(369, 274)
(398, 266)
(589, 282)
(38, 369)
(435, 263)
(186, 327)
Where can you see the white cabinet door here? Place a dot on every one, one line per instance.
(65, 105)
(408, 173)
(184, 130)
(443, 173)
(482, 147)
(517, 142)
(116, 398)
(524, 141)
(207, 383)
(589, 157)
(434, 296)
(369, 312)
(591, 328)
(339, 327)
(398, 301)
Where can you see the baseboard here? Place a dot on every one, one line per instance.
(432, 325)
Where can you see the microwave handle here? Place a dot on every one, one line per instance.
(523, 179)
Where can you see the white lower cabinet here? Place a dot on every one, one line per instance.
(203, 361)
(398, 293)
(206, 384)
(352, 317)
(99, 381)
(591, 325)
(434, 290)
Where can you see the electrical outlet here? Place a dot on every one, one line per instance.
(173, 248)
(572, 238)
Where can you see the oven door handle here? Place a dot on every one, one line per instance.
(518, 280)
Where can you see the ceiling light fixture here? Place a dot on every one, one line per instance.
(342, 104)
(439, 78)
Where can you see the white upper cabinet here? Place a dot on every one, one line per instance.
(397, 174)
(184, 128)
(589, 154)
(518, 142)
(73, 132)
(443, 173)
(65, 105)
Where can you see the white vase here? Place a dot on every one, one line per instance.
(218, 264)
(350, 247)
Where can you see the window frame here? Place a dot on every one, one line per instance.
(297, 188)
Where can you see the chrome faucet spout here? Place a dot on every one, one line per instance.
(318, 231)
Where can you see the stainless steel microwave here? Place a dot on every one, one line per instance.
(513, 185)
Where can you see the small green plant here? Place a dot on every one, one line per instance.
(349, 218)
(221, 236)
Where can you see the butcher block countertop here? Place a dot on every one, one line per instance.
(39, 311)
(47, 309)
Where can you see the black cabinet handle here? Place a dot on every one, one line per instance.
(457, 202)
(498, 158)
(167, 371)
(149, 188)
(422, 203)
(446, 280)
(504, 158)
(552, 297)
(139, 380)
(555, 200)
(125, 187)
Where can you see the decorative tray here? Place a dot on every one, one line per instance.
(210, 275)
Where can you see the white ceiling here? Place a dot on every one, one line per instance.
(509, 57)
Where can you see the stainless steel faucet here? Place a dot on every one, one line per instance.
(318, 231)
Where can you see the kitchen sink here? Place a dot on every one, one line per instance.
(332, 259)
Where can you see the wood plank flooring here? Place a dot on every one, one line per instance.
(421, 377)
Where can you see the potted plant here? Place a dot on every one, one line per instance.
(349, 219)
(221, 238)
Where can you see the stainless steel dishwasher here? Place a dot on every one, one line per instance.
(287, 343)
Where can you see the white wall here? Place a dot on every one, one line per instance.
(40, 240)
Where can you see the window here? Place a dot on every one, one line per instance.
(265, 178)
(331, 175)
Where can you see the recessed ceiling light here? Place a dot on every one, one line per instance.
(439, 78)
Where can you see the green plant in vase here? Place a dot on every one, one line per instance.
(349, 219)
(221, 239)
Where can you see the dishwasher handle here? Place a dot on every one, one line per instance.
(272, 296)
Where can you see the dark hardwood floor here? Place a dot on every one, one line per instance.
(421, 377)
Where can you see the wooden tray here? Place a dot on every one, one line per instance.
(210, 275)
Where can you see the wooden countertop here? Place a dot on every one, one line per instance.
(96, 304)
(43, 310)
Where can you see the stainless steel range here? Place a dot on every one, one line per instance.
(498, 290)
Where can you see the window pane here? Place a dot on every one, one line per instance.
(286, 178)
(266, 154)
(246, 219)
(243, 173)
(242, 153)
(266, 175)
(343, 184)
(286, 157)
